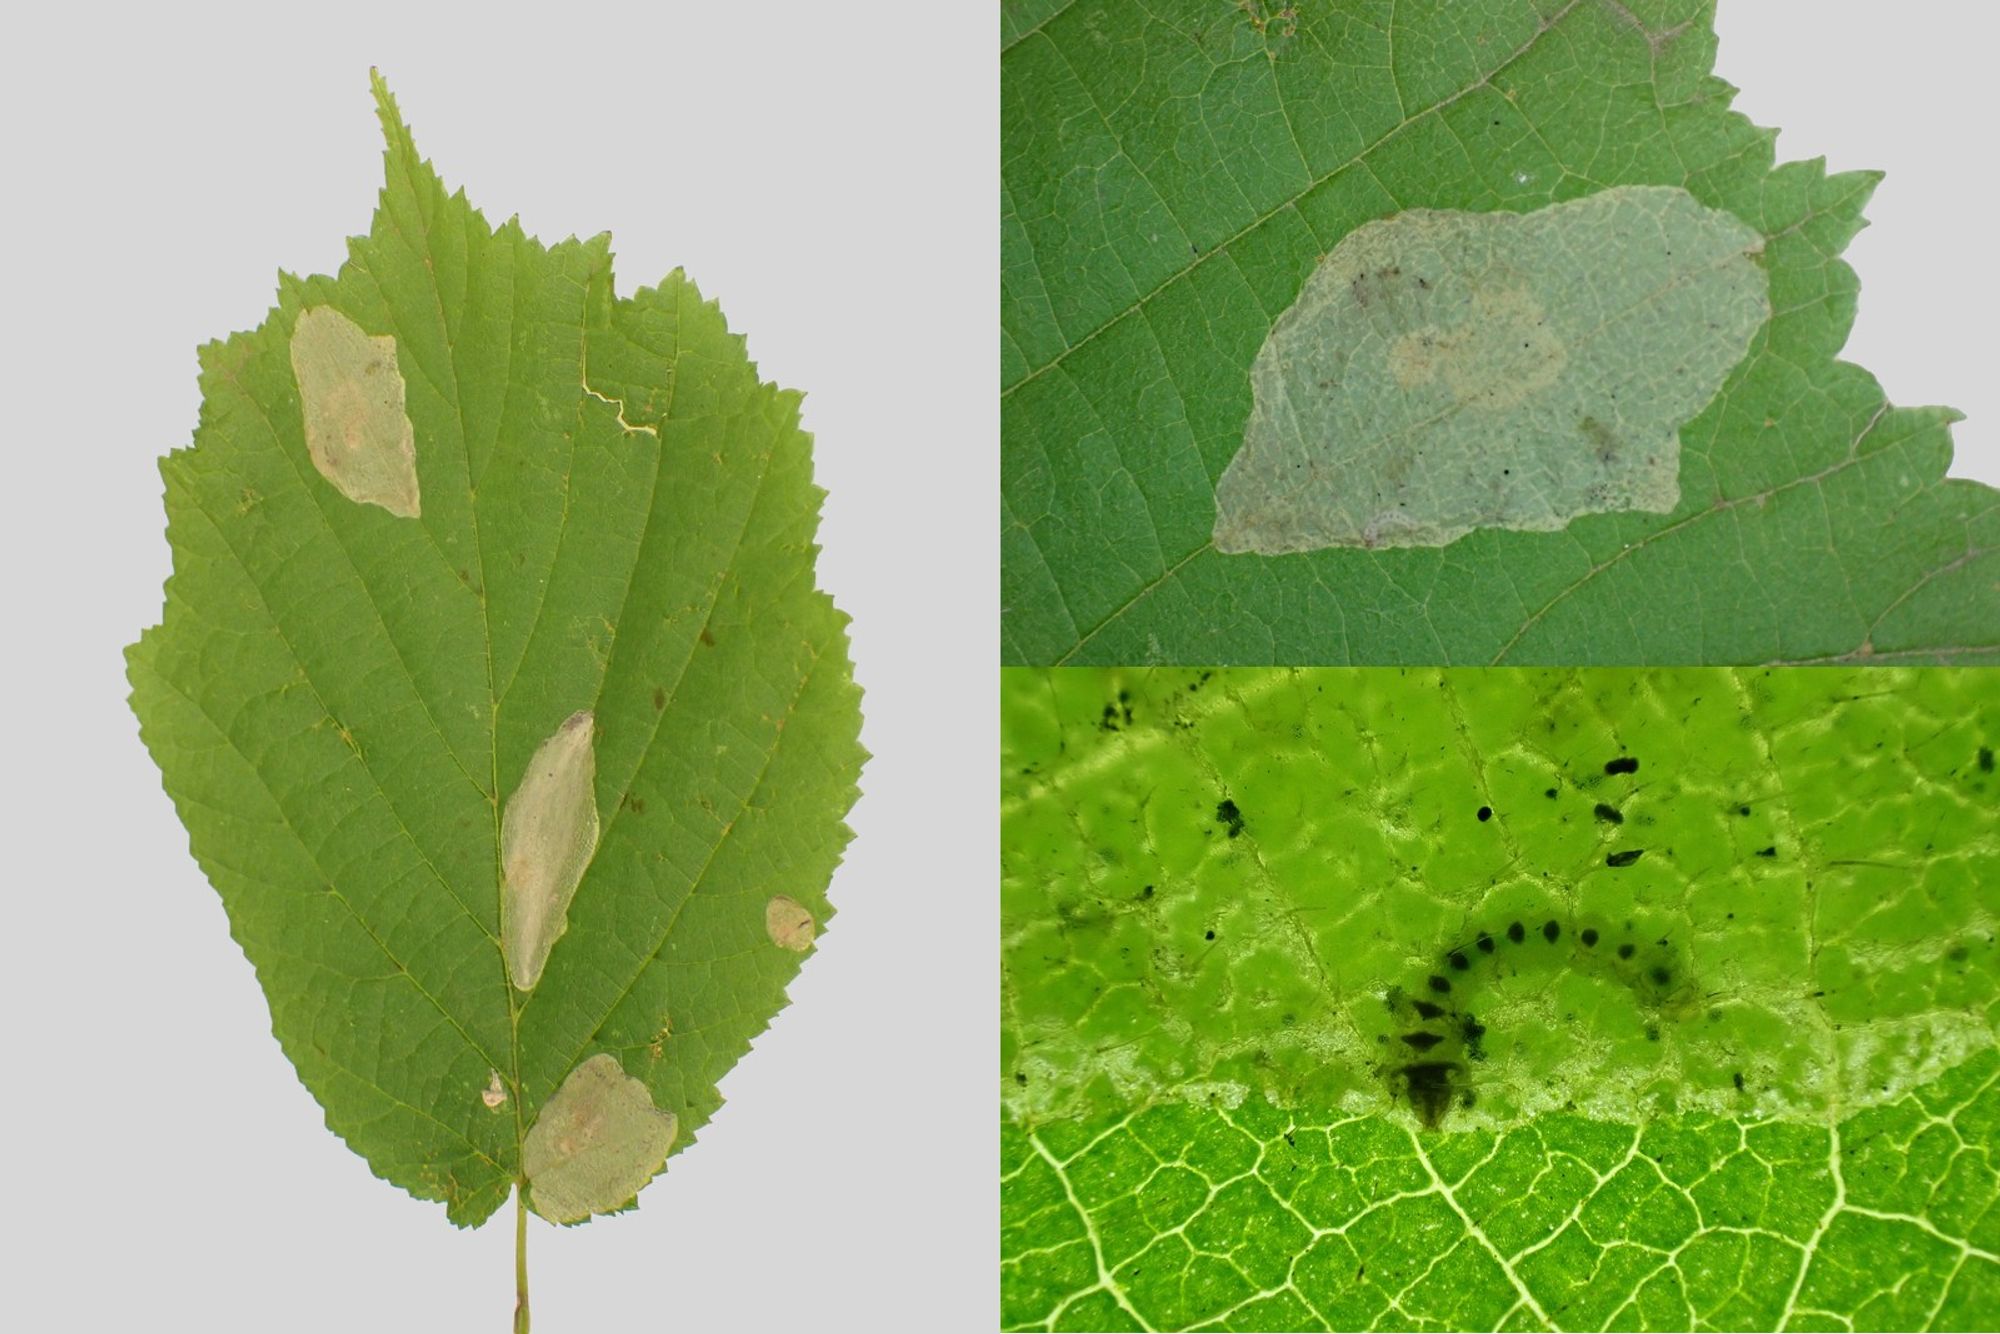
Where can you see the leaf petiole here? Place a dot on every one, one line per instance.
(520, 1257)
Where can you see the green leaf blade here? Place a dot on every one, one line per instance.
(1156, 223)
(617, 515)
(1240, 907)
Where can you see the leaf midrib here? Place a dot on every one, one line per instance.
(407, 157)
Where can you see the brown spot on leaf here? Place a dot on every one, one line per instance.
(789, 924)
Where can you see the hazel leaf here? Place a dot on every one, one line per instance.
(570, 722)
(1174, 177)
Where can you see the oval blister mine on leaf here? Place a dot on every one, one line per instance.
(547, 836)
(595, 1143)
(789, 924)
(1445, 371)
(351, 398)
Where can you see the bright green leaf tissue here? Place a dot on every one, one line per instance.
(1500, 999)
(493, 621)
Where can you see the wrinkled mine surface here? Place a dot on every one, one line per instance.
(548, 835)
(351, 397)
(596, 1142)
(1446, 371)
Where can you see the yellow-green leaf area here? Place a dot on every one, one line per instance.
(1520, 998)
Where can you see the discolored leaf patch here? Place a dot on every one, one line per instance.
(790, 924)
(1444, 371)
(596, 1142)
(547, 838)
(358, 433)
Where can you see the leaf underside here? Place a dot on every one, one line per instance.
(1745, 1079)
(1171, 175)
(616, 515)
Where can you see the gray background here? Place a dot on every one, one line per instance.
(829, 173)
(1906, 88)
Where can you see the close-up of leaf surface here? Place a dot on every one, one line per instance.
(1173, 173)
(1516, 999)
(496, 694)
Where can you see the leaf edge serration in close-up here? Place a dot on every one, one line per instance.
(754, 704)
